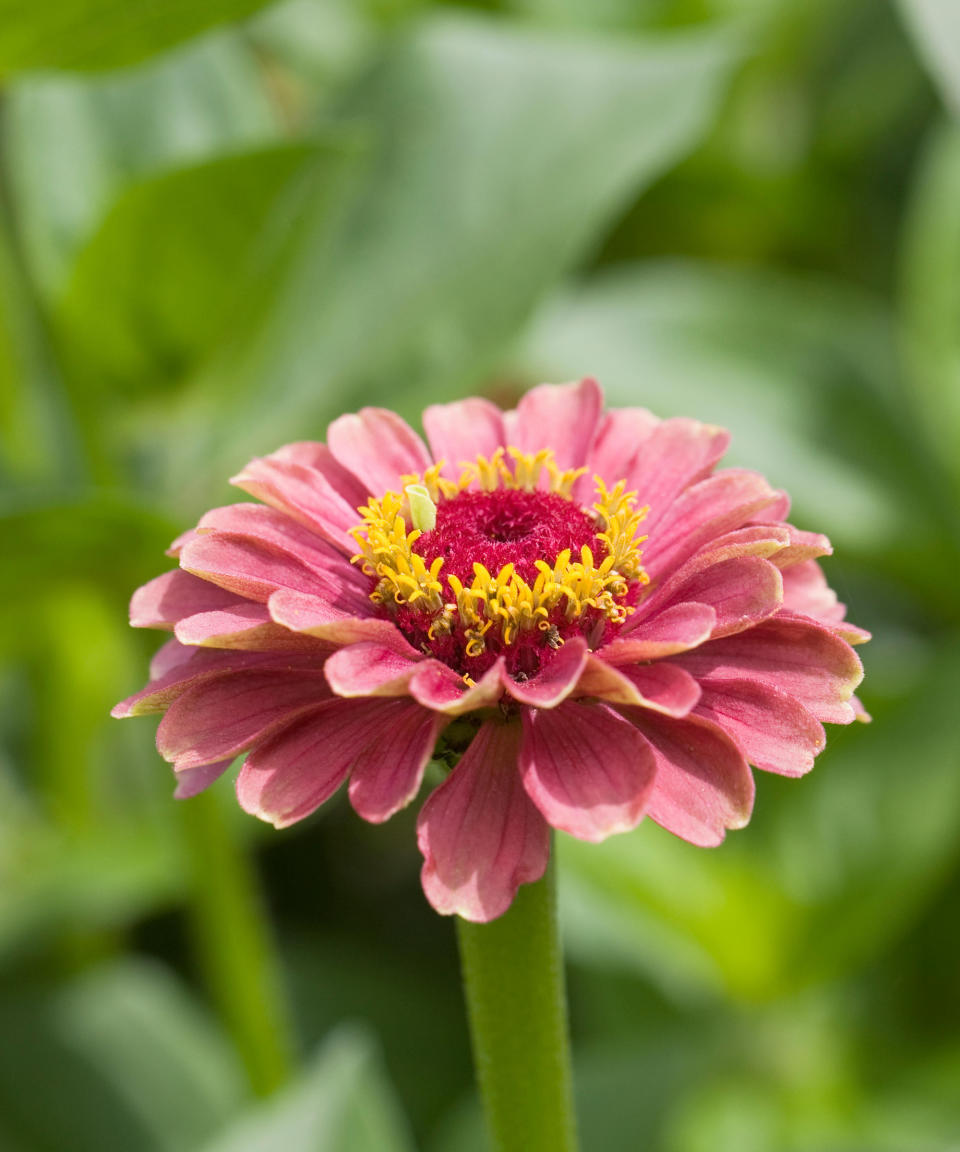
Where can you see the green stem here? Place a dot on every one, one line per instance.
(513, 977)
(235, 944)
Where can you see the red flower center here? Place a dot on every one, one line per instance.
(506, 527)
(505, 566)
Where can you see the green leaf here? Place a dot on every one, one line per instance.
(321, 41)
(793, 1102)
(584, 14)
(627, 15)
(120, 1060)
(154, 287)
(341, 1103)
(82, 34)
(110, 540)
(935, 25)
(37, 442)
(72, 144)
(930, 297)
(86, 828)
(501, 155)
(107, 879)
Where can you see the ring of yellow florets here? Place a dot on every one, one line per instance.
(470, 614)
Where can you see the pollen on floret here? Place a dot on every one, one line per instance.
(503, 562)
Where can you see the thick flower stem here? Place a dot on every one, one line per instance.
(513, 977)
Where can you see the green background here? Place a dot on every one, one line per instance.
(224, 223)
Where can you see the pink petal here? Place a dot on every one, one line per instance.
(182, 668)
(711, 508)
(176, 545)
(315, 454)
(771, 729)
(314, 616)
(320, 460)
(662, 686)
(777, 509)
(388, 772)
(621, 435)
(224, 715)
(805, 590)
(741, 592)
(280, 529)
(802, 546)
(562, 417)
(676, 454)
(765, 540)
(325, 501)
(703, 785)
(372, 668)
(852, 634)
(249, 568)
(168, 598)
(248, 626)
(378, 447)
(255, 569)
(462, 431)
(193, 781)
(761, 541)
(800, 657)
(692, 581)
(169, 656)
(586, 769)
(480, 836)
(438, 687)
(842, 629)
(293, 772)
(674, 629)
(554, 682)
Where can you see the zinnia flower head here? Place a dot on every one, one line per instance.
(570, 605)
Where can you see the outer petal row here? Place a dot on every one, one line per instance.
(582, 768)
(587, 769)
(460, 432)
(795, 655)
(480, 835)
(221, 717)
(386, 743)
(177, 668)
(703, 784)
(306, 483)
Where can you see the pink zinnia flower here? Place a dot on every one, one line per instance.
(598, 624)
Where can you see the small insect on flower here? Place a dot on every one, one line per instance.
(570, 606)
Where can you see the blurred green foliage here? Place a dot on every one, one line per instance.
(223, 224)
